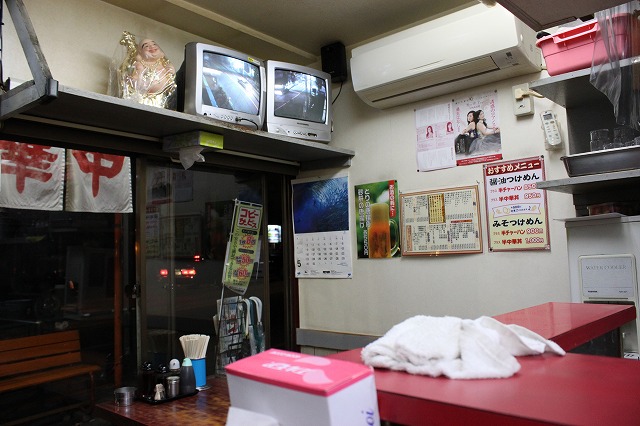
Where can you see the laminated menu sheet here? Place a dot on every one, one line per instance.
(445, 221)
(517, 214)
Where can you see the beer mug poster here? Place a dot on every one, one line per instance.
(377, 226)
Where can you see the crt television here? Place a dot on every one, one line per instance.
(223, 84)
(298, 101)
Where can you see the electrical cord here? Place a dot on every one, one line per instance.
(519, 94)
(339, 91)
(238, 119)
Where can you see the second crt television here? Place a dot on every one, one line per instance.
(223, 84)
(298, 101)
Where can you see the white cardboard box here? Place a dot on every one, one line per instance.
(298, 389)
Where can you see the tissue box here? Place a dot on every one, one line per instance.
(298, 389)
(574, 48)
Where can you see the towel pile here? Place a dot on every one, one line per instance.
(456, 348)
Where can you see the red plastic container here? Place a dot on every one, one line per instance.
(577, 47)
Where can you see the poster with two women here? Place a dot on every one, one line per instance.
(457, 133)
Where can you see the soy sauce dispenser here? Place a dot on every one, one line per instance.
(147, 380)
(187, 377)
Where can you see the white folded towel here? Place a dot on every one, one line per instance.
(456, 348)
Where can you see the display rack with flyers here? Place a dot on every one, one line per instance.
(229, 325)
(239, 329)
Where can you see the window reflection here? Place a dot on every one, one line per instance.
(187, 223)
(57, 272)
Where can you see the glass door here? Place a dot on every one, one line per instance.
(187, 221)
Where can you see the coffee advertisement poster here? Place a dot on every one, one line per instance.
(377, 226)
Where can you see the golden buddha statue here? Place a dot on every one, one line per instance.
(146, 75)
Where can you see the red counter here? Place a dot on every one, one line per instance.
(571, 390)
(571, 324)
(549, 389)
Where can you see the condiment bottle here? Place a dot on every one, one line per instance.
(147, 380)
(187, 378)
(162, 372)
(174, 367)
(159, 392)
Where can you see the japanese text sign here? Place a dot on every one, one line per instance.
(31, 176)
(37, 176)
(377, 218)
(98, 182)
(444, 221)
(517, 216)
(243, 247)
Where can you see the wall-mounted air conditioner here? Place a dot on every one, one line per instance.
(474, 46)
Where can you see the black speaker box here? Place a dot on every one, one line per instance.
(334, 61)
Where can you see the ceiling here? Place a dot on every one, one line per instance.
(295, 30)
(289, 30)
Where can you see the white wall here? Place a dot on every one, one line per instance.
(79, 41)
(384, 292)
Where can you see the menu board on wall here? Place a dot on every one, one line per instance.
(444, 221)
(517, 217)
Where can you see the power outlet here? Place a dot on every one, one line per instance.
(522, 100)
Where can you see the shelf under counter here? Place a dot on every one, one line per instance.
(106, 121)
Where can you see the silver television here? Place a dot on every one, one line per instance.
(223, 84)
(298, 101)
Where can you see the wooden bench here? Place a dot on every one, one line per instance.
(37, 360)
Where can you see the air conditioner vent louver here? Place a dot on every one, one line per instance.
(435, 78)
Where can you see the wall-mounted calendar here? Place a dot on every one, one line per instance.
(444, 221)
(322, 240)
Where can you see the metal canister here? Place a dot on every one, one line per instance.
(124, 396)
(173, 386)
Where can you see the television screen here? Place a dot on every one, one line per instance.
(230, 83)
(300, 96)
(223, 84)
(298, 101)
